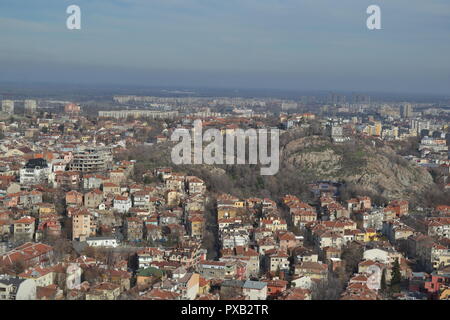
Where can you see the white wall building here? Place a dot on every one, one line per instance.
(12, 288)
(122, 204)
(8, 106)
(36, 171)
(30, 106)
(255, 290)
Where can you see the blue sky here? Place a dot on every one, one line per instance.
(286, 44)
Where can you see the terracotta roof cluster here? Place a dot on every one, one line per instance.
(25, 253)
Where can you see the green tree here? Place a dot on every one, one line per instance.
(383, 285)
(259, 182)
(147, 180)
(396, 277)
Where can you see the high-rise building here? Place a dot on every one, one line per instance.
(8, 106)
(30, 106)
(360, 99)
(93, 159)
(419, 125)
(72, 108)
(288, 105)
(83, 225)
(124, 114)
(335, 98)
(406, 110)
(378, 128)
(337, 133)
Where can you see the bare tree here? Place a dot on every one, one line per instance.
(330, 289)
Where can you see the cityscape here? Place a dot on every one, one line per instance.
(93, 208)
(223, 172)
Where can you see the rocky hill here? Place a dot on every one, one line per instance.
(377, 169)
(371, 169)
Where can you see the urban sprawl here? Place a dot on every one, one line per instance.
(91, 207)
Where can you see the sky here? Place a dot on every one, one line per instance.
(274, 44)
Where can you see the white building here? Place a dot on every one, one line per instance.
(36, 171)
(238, 238)
(141, 199)
(30, 106)
(92, 182)
(372, 219)
(195, 185)
(73, 278)
(12, 288)
(303, 282)
(8, 106)
(255, 290)
(376, 255)
(122, 204)
(59, 166)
